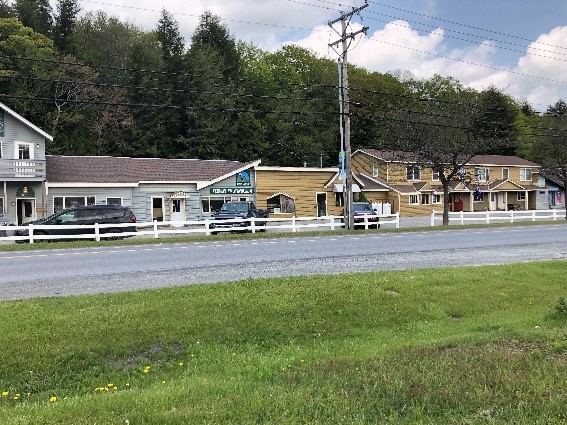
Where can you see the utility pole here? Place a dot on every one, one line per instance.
(344, 105)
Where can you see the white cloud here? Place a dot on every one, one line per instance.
(540, 75)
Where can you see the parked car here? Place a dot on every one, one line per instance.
(89, 215)
(238, 210)
(363, 212)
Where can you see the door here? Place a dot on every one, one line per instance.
(492, 206)
(321, 204)
(458, 204)
(25, 211)
(502, 201)
(177, 208)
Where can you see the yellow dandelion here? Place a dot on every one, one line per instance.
(17, 397)
(127, 385)
(110, 385)
(53, 399)
(181, 363)
(5, 393)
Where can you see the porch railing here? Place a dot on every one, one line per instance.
(17, 169)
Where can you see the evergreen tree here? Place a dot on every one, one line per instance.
(6, 10)
(36, 14)
(65, 22)
(214, 36)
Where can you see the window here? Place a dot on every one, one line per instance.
(525, 174)
(436, 199)
(24, 151)
(1, 207)
(281, 203)
(521, 196)
(212, 204)
(1, 124)
(505, 173)
(374, 171)
(1, 148)
(413, 200)
(435, 175)
(481, 174)
(413, 172)
(425, 198)
(114, 201)
(339, 199)
(61, 203)
(478, 195)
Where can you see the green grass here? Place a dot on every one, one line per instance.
(447, 346)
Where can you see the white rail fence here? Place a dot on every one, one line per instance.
(158, 229)
(488, 217)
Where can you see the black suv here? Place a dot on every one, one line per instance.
(101, 214)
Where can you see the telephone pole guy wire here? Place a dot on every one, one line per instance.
(344, 115)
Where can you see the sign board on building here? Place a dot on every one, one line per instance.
(232, 190)
(243, 179)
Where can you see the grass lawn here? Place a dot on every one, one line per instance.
(445, 346)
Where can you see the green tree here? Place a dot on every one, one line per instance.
(36, 14)
(27, 65)
(213, 36)
(213, 63)
(6, 10)
(65, 22)
(550, 146)
(495, 122)
(439, 133)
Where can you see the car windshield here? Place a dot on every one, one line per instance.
(362, 208)
(234, 207)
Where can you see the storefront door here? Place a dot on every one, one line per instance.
(25, 211)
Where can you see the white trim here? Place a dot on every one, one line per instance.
(26, 122)
(48, 185)
(253, 165)
(281, 193)
(297, 169)
(338, 188)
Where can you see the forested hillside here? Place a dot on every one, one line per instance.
(105, 87)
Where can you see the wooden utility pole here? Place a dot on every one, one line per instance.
(345, 106)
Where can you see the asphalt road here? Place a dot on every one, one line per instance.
(64, 272)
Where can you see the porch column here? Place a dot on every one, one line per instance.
(471, 202)
(526, 201)
(5, 198)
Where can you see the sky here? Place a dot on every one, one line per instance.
(518, 46)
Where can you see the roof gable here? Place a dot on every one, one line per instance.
(25, 122)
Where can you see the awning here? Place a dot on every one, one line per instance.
(339, 188)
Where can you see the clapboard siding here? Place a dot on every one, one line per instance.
(303, 184)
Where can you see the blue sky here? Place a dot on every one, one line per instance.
(519, 46)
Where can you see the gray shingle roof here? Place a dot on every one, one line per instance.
(106, 169)
(499, 160)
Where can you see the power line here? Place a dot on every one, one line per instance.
(467, 25)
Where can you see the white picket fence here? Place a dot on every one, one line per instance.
(488, 217)
(158, 229)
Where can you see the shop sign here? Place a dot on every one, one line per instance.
(243, 179)
(232, 190)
